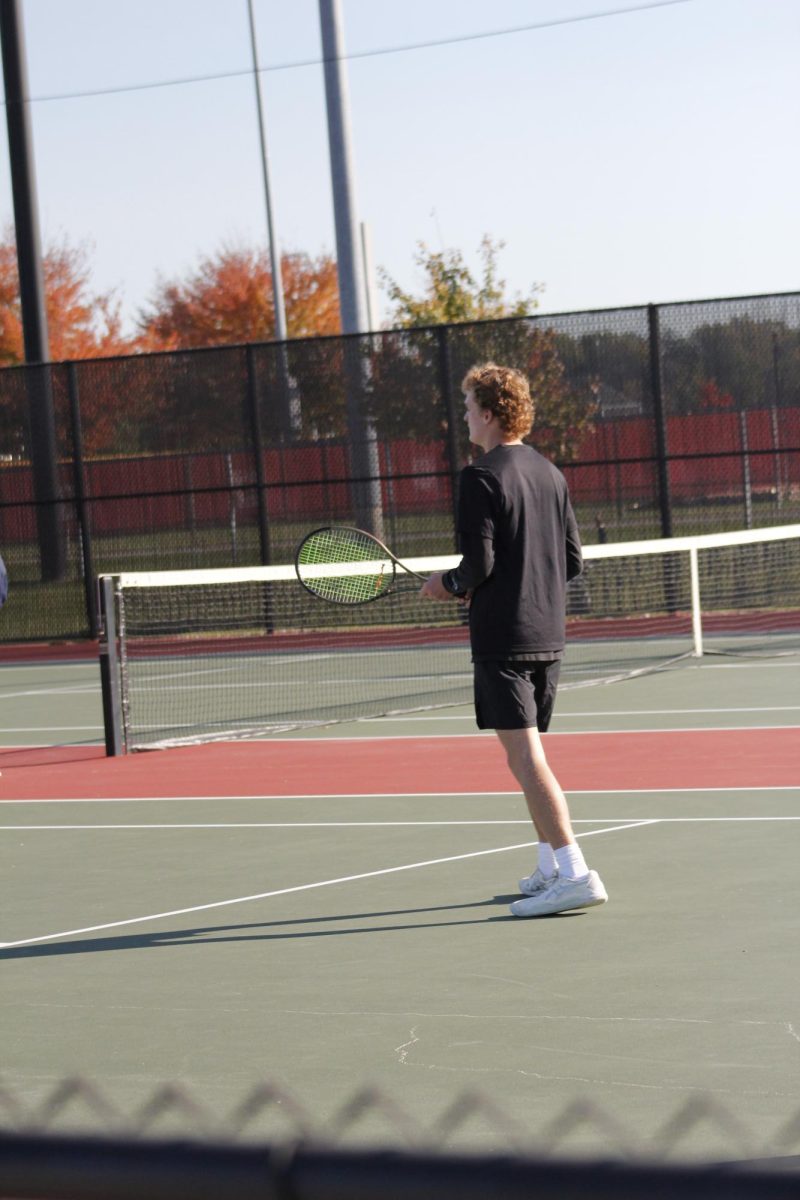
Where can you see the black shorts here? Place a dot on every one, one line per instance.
(515, 695)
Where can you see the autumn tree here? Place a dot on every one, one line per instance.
(227, 300)
(81, 323)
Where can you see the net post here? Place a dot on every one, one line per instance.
(110, 676)
(81, 500)
(697, 615)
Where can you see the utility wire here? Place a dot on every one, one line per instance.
(313, 62)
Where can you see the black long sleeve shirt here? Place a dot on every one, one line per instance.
(520, 545)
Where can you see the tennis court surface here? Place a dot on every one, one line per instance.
(327, 910)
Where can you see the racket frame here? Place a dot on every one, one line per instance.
(365, 567)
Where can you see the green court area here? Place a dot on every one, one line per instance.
(59, 703)
(329, 943)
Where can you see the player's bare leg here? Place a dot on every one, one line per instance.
(546, 802)
(575, 886)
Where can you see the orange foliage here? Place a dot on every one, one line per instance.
(228, 301)
(80, 324)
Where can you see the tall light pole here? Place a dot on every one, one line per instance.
(364, 460)
(348, 256)
(287, 405)
(274, 251)
(31, 290)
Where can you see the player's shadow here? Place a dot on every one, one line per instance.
(269, 931)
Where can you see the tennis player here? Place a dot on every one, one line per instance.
(519, 543)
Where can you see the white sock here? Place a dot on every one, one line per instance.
(547, 860)
(570, 862)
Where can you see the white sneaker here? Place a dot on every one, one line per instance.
(533, 884)
(562, 894)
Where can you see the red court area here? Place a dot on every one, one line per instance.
(754, 758)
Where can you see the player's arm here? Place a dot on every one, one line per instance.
(476, 565)
(476, 540)
(460, 582)
(573, 545)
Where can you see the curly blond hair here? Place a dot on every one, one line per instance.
(504, 392)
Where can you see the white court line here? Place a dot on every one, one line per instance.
(486, 733)
(761, 665)
(306, 824)
(76, 690)
(669, 729)
(641, 791)
(637, 712)
(378, 824)
(344, 824)
(489, 733)
(47, 729)
(418, 737)
(664, 712)
(303, 887)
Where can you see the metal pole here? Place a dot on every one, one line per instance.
(274, 255)
(660, 420)
(776, 405)
(370, 291)
(747, 486)
(364, 459)
(697, 612)
(670, 564)
(350, 270)
(23, 184)
(82, 502)
(31, 291)
(254, 418)
(289, 417)
(110, 669)
(451, 415)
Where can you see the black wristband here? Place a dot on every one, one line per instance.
(451, 585)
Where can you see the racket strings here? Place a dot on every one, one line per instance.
(337, 546)
(349, 589)
(331, 547)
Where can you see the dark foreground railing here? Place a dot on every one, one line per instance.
(47, 1167)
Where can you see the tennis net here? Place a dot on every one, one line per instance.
(191, 656)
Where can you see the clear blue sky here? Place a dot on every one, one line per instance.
(650, 155)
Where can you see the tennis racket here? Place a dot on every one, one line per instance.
(370, 567)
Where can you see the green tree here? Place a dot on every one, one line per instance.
(615, 366)
(452, 294)
(565, 409)
(491, 326)
(752, 360)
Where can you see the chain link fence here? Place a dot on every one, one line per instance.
(666, 420)
(75, 1142)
